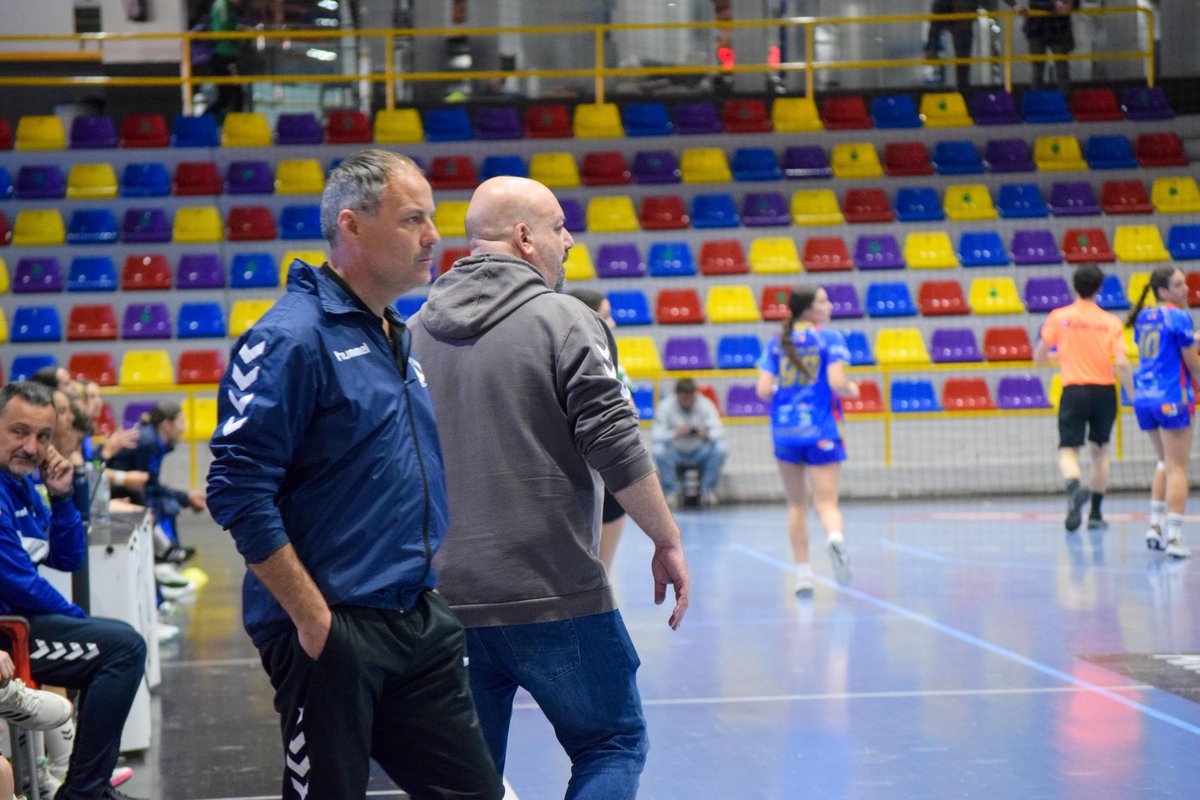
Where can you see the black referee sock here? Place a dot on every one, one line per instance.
(1097, 499)
(1072, 486)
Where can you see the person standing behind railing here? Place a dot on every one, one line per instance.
(227, 57)
(1049, 31)
(962, 33)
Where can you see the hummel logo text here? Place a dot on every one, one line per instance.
(353, 352)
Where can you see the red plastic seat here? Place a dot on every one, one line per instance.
(347, 127)
(941, 299)
(967, 394)
(745, 116)
(663, 212)
(145, 130)
(250, 224)
(826, 254)
(1087, 245)
(845, 113)
(774, 303)
(1007, 344)
(708, 391)
(5, 230)
(869, 400)
(6, 134)
(145, 272)
(867, 205)
(1193, 284)
(1095, 105)
(604, 169)
(906, 158)
(1160, 150)
(200, 366)
(1125, 197)
(106, 423)
(723, 257)
(92, 322)
(678, 307)
(196, 177)
(451, 255)
(98, 367)
(548, 121)
(452, 172)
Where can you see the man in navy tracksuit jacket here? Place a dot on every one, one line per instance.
(328, 473)
(103, 658)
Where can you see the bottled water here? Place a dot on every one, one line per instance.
(101, 518)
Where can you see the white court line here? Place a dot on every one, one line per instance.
(509, 794)
(1032, 566)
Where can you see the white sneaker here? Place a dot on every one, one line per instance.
(33, 709)
(1154, 538)
(840, 559)
(176, 592)
(1177, 549)
(165, 633)
(48, 785)
(169, 575)
(804, 585)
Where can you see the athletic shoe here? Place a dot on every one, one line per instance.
(1177, 549)
(169, 575)
(709, 500)
(1075, 503)
(175, 555)
(113, 794)
(48, 785)
(841, 560)
(1154, 538)
(120, 775)
(1097, 523)
(804, 585)
(164, 633)
(33, 709)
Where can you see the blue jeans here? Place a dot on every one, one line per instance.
(582, 672)
(710, 457)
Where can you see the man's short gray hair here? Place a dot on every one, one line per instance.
(357, 184)
(33, 393)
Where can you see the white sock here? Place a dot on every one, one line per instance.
(1174, 527)
(834, 536)
(803, 569)
(1158, 512)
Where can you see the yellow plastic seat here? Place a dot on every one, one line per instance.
(313, 258)
(245, 313)
(1175, 195)
(1058, 154)
(299, 176)
(598, 121)
(91, 181)
(639, 356)
(3, 277)
(929, 250)
(579, 267)
(1139, 244)
(795, 115)
(944, 110)
(201, 417)
(611, 214)
(774, 254)
(1131, 348)
(816, 207)
(900, 346)
(146, 368)
(730, 304)
(1054, 393)
(398, 126)
(554, 169)
(856, 160)
(1137, 282)
(994, 296)
(40, 132)
(451, 217)
(38, 227)
(246, 129)
(194, 224)
(704, 165)
(968, 201)
(3, 327)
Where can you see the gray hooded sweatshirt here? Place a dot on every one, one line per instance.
(529, 409)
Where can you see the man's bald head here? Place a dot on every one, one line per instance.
(522, 218)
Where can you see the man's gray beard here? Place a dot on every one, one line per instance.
(562, 279)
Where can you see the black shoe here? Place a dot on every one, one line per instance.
(113, 794)
(1097, 523)
(175, 555)
(1075, 503)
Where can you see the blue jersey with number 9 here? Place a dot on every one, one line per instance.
(804, 409)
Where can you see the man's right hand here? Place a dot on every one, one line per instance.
(669, 565)
(314, 634)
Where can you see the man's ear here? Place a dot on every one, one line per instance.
(347, 222)
(522, 238)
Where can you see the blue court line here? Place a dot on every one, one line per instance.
(1026, 565)
(975, 641)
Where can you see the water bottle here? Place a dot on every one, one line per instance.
(101, 518)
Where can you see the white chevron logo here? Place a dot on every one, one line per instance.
(59, 651)
(240, 403)
(232, 425)
(300, 788)
(92, 651)
(42, 649)
(76, 651)
(297, 743)
(247, 354)
(244, 379)
(300, 768)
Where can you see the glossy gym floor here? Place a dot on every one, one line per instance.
(979, 652)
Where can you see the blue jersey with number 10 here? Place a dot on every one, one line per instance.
(1161, 334)
(804, 409)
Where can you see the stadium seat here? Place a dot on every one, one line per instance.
(450, 255)
(918, 204)
(1193, 284)
(806, 161)
(906, 158)
(201, 178)
(245, 313)
(613, 214)
(604, 169)
(249, 177)
(7, 190)
(24, 366)
(878, 252)
(199, 271)
(201, 418)
(1008, 155)
(1139, 244)
(500, 123)
(1095, 105)
(941, 298)
(40, 132)
(92, 182)
(555, 170)
(944, 110)
(663, 212)
(968, 202)
(957, 157)
(738, 351)
(1007, 344)
(890, 111)
(98, 367)
(1021, 201)
(598, 121)
(204, 320)
(646, 119)
(678, 307)
(1030, 247)
(300, 222)
(1183, 242)
(755, 164)
(895, 346)
(347, 126)
(145, 130)
(92, 274)
(763, 209)
(643, 398)
(1058, 154)
(714, 211)
(398, 126)
(1045, 106)
(1161, 150)
(451, 218)
(619, 261)
(869, 400)
(37, 275)
(447, 124)
(843, 298)
(929, 250)
(687, 353)
(913, 396)
(311, 257)
(201, 131)
(1109, 152)
(994, 108)
(773, 303)
(146, 368)
(742, 401)
(299, 176)
(1073, 199)
(146, 321)
(250, 223)
(639, 356)
(298, 128)
(670, 260)
(92, 226)
(816, 207)
(452, 172)
(994, 296)
(1111, 296)
(745, 116)
(245, 129)
(728, 304)
(579, 264)
(195, 224)
(147, 179)
(253, 271)
(704, 165)
(1046, 294)
(1146, 102)
(1138, 282)
(1125, 197)
(824, 254)
(1021, 392)
(845, 112)
(967, 394)
(774, 255)
(1175, 195)
(953, 346)
(145, 273)
(38, 228)
(40, 182)
(795, 115)
(867, 205)
(35, 324)
(889, 300)
(855, 160)
(574, 218)
(696, 117)
(723, 257)
(655, 167)
(548, 121)
(630, 307)
(200, 366)
(5, 232)
(494, 166)
(6, 140)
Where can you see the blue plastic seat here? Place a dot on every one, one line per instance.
(1109, 152)
(630, 308)
(1040, 106)
(860, 349)
(890, 300)
(755, 164)
(646, 119)
(982, 249)
(200, 321)
(894, 111)
(448, 125)
(1183, 242)
(918, 204)
(253, 271)
(92, 226)
(643, 398)
(201, 131)
(670, 260)
(495, 166)
(24, 366)
(92, 274)
(958, 157)
(35, 274)
(35, 324)
(149, 179)
(1021, 201)
(738, 351)
(714, 211)
(300, 222)
(6, 184)
(909, 396)
(409, 304)
(1111, 296)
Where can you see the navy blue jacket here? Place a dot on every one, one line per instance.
(23, 514)
(322, 441)
(147, 455)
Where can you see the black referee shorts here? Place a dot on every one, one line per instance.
(1086, 408)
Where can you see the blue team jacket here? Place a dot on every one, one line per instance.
(323, 442)
(23, 514)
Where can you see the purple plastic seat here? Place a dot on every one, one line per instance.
(696, 117)
(1142, 102)
(145, 225)
(994, 108)
(953, 345)
(146, 321)
(1021, 391)
(299, 129)
(93, 132)
(40, 182)
(845, 301)
(878, 252)
(574, 219)
(619, 261)
(655, 166)
(1046, 294)
(1035, 247)
(249, 177)
(1073, 199)
(498, 123)
(806, 161)
(743, 401)
(37, 274)
(1008, 155)
(760, 209)
(199, 271)
(687, 353)
(132, 415)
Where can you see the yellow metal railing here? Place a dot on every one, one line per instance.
(598, 72)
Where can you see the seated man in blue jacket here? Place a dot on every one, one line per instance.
(108, 656)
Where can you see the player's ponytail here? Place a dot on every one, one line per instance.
(801, 300)
(1159, 279)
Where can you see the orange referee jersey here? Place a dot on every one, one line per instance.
(1087, 339)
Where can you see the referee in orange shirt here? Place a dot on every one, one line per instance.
(1087, 342)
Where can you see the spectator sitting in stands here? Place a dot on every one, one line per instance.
(688, 431)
